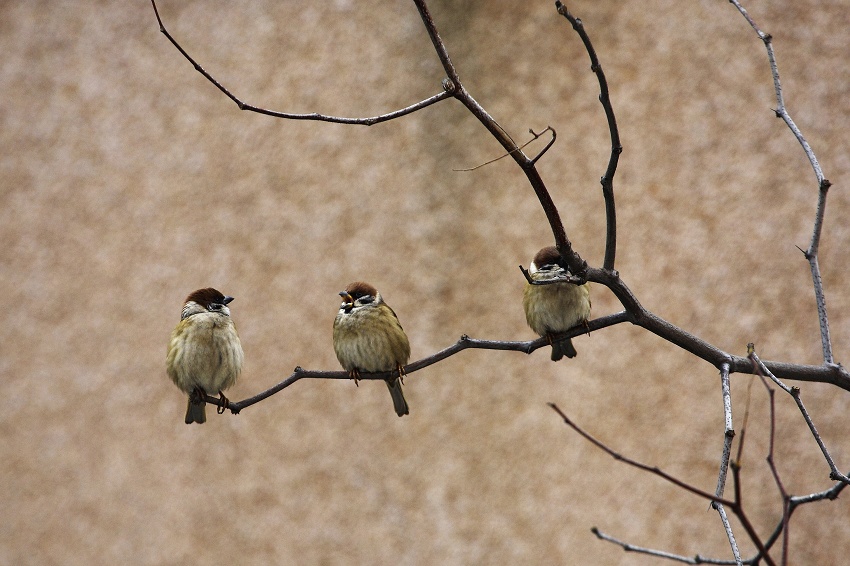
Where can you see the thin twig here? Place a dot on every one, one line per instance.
(786, 507)
(738, 509)
(823, 187)
(628, 547)
(634, 463)
(735, 505)
(535, 136)
(728, 436)
(761, 369)
(830, 494)
(446, 93)
(616, 147)
(548, 145)
(728, 431)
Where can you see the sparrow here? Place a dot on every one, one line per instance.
(369, 338)
(204, 354)
(555, 307)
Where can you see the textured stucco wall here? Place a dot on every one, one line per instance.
(127, 181)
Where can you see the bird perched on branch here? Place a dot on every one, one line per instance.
(556, 307)
(369, 338)
(204, 355)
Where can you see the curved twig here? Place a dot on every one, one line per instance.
(823, 187)
(548, 145)
(616, 147)
(535, 136)
(447, 93)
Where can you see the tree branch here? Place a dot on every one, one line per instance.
(464, 343)
(736, 505)
(728, 435)
(578, 268)
(834, 374)
(447, 93)
(574, 262)
(823, 187)
(616, 147)
(761, 369)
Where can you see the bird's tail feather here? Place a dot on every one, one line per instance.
(563, 348)
(399, 402)
(196, 412)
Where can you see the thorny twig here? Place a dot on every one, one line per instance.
(761, 369)
(823, 187)
(728, 435)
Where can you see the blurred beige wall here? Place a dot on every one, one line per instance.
(127, 181)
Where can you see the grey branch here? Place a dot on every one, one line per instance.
(761, 369)
(728, 435)
(823, 187)
(628, 547)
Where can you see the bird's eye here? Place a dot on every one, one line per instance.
(367, 299)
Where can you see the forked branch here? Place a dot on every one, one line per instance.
(578, 268)
(735, 505)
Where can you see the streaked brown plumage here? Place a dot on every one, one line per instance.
(369, 338)
(204, 354)
(556, 307)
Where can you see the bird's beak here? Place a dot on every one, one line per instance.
(347, 300)
(226, 300)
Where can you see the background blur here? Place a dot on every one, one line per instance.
(127, 181)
